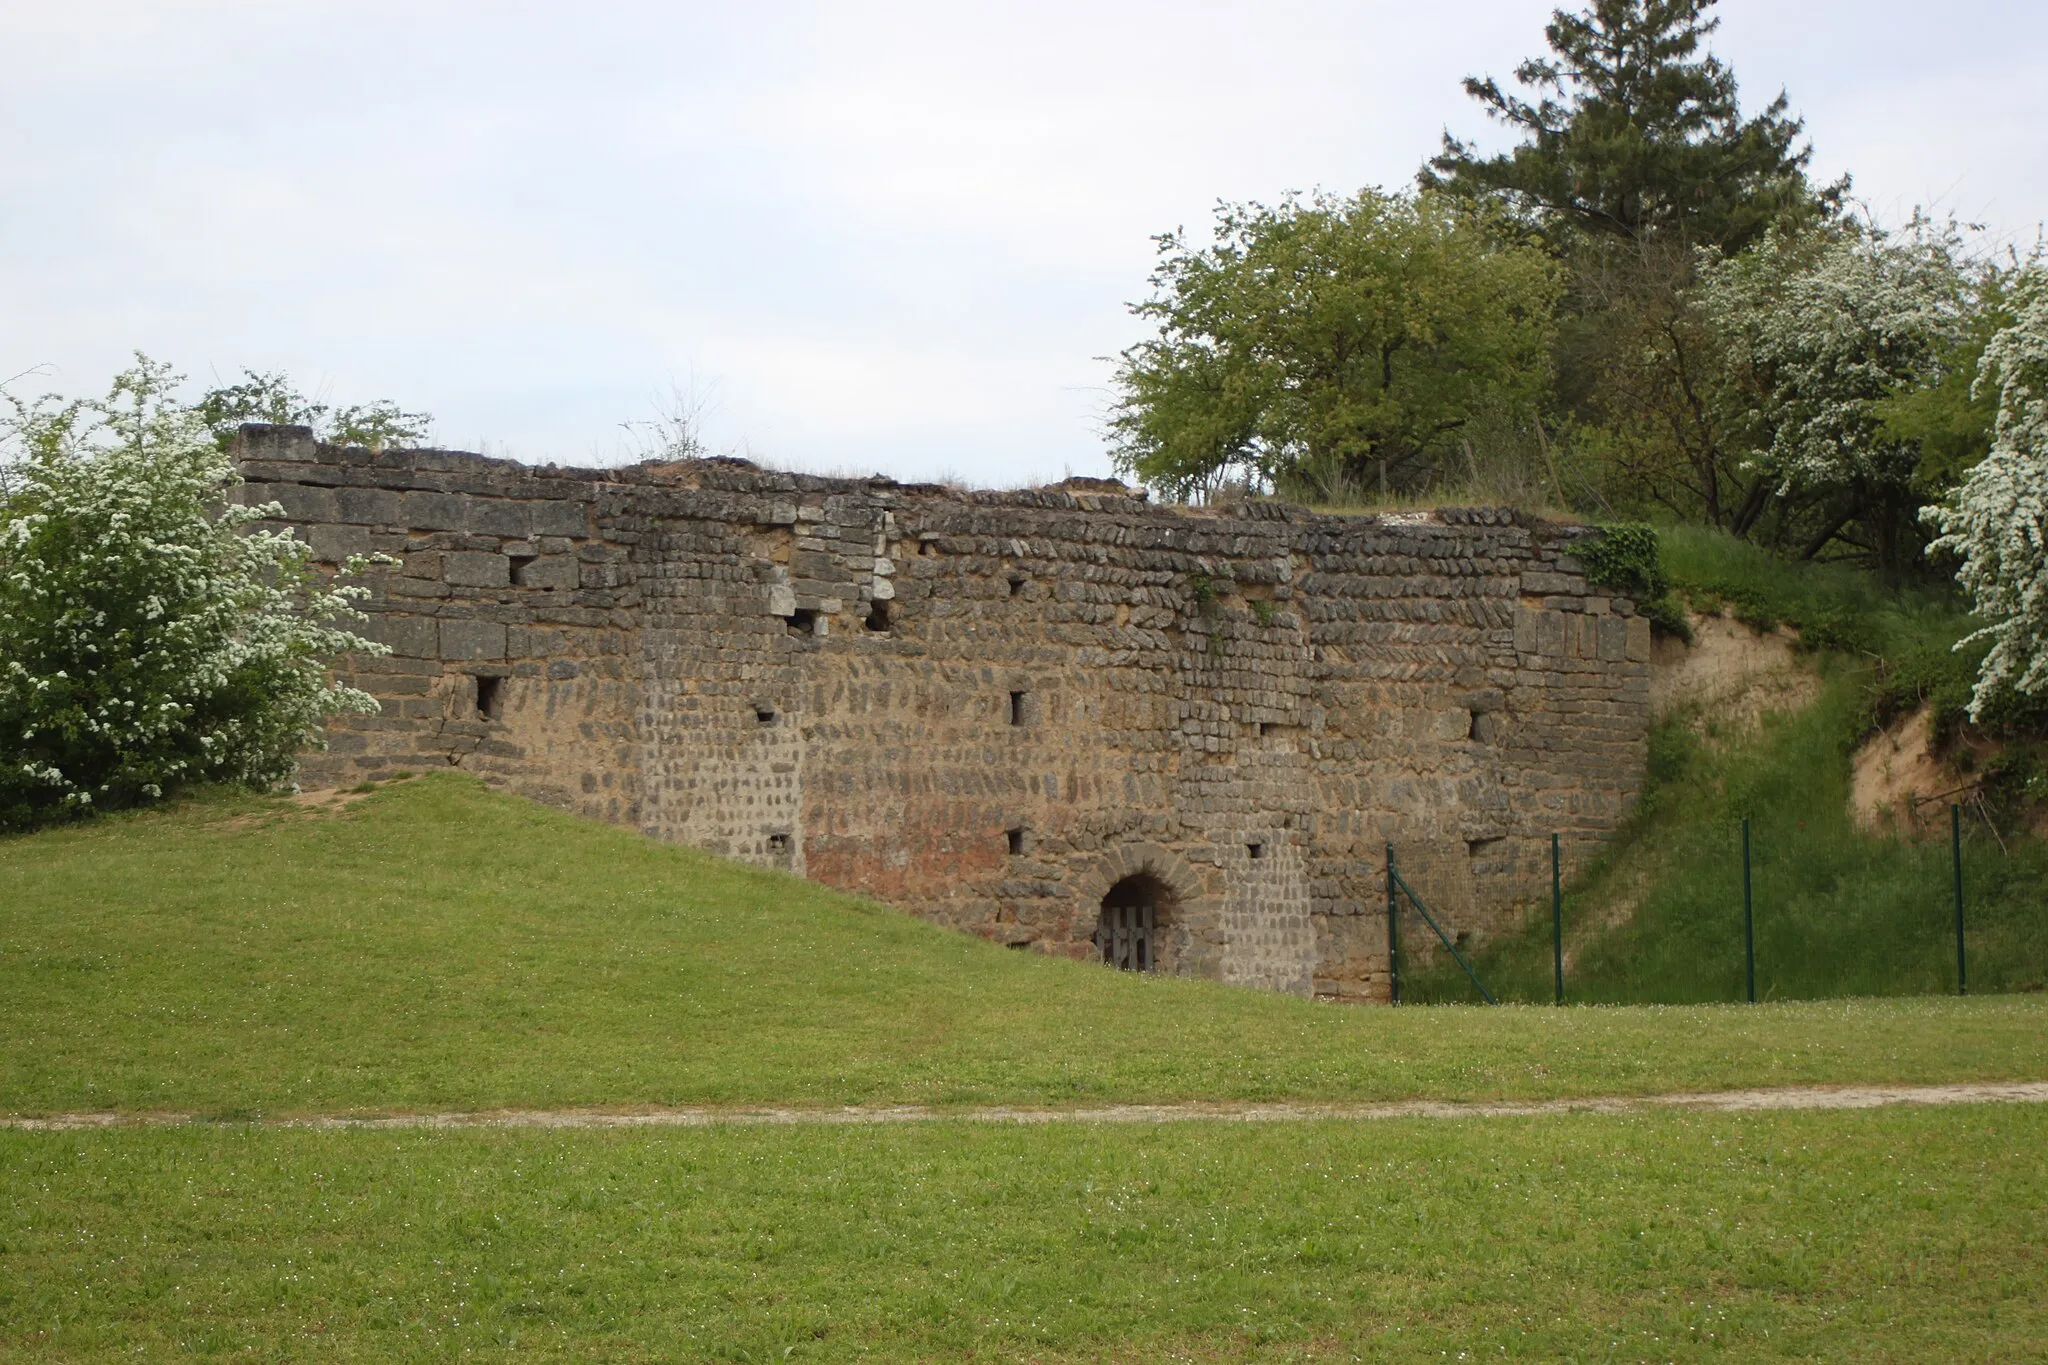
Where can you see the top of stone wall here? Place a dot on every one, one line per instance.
(262, 444)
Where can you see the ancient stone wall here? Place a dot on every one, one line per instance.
(993, 708)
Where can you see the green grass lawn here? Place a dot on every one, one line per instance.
(438, 946)
(1909, 1235)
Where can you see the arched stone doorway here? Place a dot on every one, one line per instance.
(1136, 912)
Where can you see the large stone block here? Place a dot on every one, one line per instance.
(560, 517)
(476, 569)
(558, 573)
(367, 506)
(462, 639)
(433, 511)
(301, 502)
(408, 636)
(499, 517)
(335, 544)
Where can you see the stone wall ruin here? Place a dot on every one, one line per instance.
(991, 709)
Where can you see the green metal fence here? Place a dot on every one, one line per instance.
(1746, 911)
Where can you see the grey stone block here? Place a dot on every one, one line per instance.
(472, 640)
(367, 506)
(556, 572)
(433, 511)
(560, 517)
(408, 636)
(496, 517)
(301, 502)
(474, 569)
(335, 544)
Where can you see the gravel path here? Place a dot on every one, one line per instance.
(1719, 1101)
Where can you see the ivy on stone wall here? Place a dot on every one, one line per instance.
(1623, 558)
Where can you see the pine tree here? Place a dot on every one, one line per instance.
(1635, 135)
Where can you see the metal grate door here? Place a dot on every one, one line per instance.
(1125, 935)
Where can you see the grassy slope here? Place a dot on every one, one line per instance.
(1893, 1235)
(441, 946)
(1838, 912)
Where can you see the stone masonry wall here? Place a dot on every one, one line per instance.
(989, 708)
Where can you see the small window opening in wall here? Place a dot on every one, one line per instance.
(1017, 707)
(519, 566)
(1017, 586)
(1255, 851)
(778, 844)
(924, 549)
(1016, 838)
(803, 621)
(490, 697)
(1267, 729)
(765, 714)
(1022, 945)
(878, 617)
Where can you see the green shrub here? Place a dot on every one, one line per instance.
(150, 635)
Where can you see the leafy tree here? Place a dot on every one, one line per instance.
(150, 635)
(1996, 523)
(1330, 344)
(1634, 135)
(273, 398)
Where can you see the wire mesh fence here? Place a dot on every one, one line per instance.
(1740, 911)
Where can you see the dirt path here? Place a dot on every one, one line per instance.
(1718, 1101)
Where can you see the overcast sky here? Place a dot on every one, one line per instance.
(872, 237)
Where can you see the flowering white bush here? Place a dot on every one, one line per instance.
(149, 635)
(1996, 523)
(1826, 326)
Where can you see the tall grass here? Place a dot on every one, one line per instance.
(1837, 911)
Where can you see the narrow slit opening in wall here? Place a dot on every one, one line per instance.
(519, 566)
(765, 714)
(1255, 851)
(778, 844)
(803, 621)
(878, 616)
(490, 697)
(1017, 586)
(1016, 838)
(1017, 708)
(925, 550)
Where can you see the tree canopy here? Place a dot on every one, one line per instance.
(1330, 342)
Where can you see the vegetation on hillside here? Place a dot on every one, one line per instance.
(1839, 911)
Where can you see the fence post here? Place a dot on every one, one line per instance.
(1557, 915)
(1955, 845)
(1393, 935)
(1748, 918)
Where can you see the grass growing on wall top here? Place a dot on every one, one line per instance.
(440, 946)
